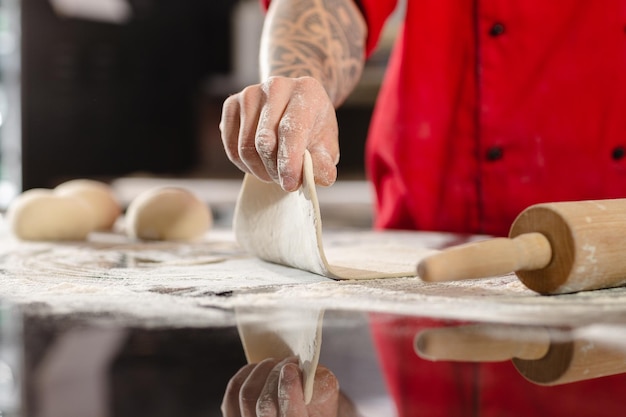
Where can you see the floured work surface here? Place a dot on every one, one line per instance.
(171, 284)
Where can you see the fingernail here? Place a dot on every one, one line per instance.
(287, 183)
(289, 373)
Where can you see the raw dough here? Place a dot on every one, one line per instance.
(286, 228)
(99, 195)
(168, 213)
(40, 214)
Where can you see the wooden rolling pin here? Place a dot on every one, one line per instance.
(553, 248)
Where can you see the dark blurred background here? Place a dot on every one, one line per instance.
(106, 99)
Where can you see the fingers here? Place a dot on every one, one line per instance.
(266, 128)
(309, 122)
(291, 393)
(266, 141)
(294, 131)
(229, 128)
(268, 404)
(230, 402)
(325, 165)
(274, 388)
(253, 391)
(253, 386)
(325, 391)
(252, 101)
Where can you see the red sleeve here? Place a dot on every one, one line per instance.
(375, 12)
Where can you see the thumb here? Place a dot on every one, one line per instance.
(291, 392)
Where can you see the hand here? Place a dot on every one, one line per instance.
(273, 388)
(266, 128)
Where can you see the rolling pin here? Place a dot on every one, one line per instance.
(553, 248)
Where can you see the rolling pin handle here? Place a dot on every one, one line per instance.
(488, 258)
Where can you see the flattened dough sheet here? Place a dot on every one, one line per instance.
(286, 228)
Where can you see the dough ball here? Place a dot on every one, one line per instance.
(39, 214)
(167, 213)
(98, 195)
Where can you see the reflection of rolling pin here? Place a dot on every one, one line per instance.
(553, 248)
(573, 360)
(543, 356)
(482, 343)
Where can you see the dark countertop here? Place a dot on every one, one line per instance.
(149, 328)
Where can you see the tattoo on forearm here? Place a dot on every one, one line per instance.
(319, 38)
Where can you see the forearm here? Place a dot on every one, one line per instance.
(323, 39)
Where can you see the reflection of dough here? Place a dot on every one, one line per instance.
(286, 228)
(282, 333)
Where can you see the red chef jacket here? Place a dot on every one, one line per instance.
(488, 107)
